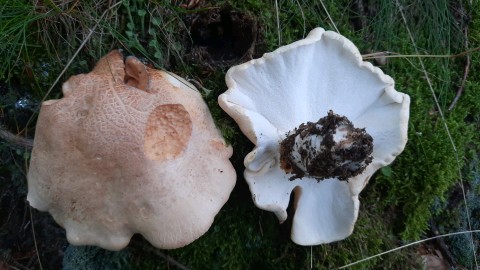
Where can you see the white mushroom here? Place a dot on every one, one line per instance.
(129, 149)
(282, 103)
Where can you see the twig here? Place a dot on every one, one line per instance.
(303, 18)
(470, 231)
(76, 53)
(17, 266)
(407, 245)
(138, 244)
(8, 218)
(15, 139)
(51, 4)
(329, 17)
(35, 239)
(388, 54)
(277, 12)
(442, 246)
(283, 255)
(311, 257)
(447, 130)
(465, 74)
(48, 92)
(170, 260)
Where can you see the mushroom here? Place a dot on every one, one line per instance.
(322, 121)
(129, 149)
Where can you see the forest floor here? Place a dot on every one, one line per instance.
(430, 48)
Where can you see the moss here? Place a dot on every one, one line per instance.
(244, 237)
(452, 215)
(86, 258)
(430, 165)
(461, 245)
(435, 170)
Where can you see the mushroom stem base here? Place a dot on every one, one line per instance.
(329, 148)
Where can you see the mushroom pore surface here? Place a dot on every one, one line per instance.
(329, 148)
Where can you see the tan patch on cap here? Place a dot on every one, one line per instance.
(136, 74)
(168, 131)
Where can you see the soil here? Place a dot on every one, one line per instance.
(221, 37)
(19, 248)
(342, 160)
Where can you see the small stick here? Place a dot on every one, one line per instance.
(170, 260)
(15, 139)
(405, 246)
(465, 74)
(35, 239)
(139, 244)
(388, 54)
(442, 245)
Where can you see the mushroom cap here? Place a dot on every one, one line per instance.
(299, 83)
(129, 149)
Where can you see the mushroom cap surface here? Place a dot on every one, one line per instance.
(300, 83)
(129, 149)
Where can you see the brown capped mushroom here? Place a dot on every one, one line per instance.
(129, 149)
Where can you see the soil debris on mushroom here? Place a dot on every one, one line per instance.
(329, 148)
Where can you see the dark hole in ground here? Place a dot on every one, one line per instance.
(222, 36)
